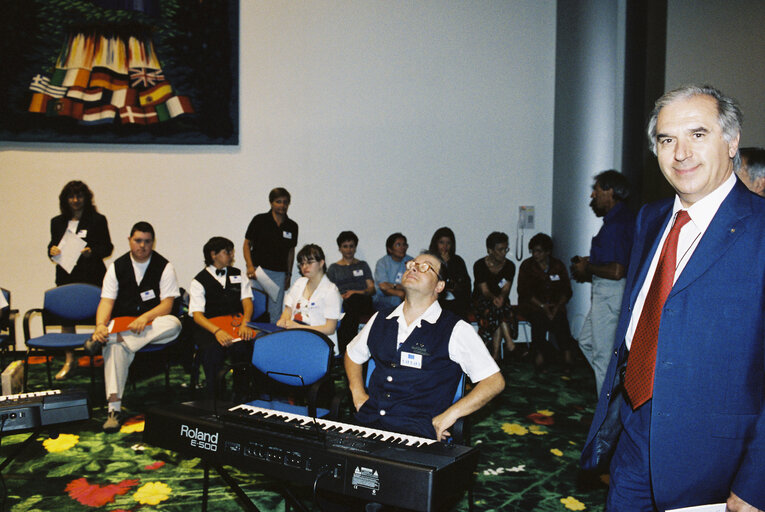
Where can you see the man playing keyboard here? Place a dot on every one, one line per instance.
(140, 284)
(420, 352)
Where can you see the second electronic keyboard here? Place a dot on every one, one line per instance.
(374, 465)
(27, 411)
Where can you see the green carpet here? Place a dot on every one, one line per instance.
(530, 438)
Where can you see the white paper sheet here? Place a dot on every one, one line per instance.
(269, 286)
(71, 247)
(716, 507)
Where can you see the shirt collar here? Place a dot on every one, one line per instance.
(703, 211)
(613, 211)
(430, 315)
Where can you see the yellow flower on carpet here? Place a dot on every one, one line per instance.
(546, 412)
(572, 503)
(537, 430)
(514, 429)
(129, 428)
(62, 443)
(557, 452)
(152, 493)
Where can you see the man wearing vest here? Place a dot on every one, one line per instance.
(420, 352)
(140, 284)
(218, 290)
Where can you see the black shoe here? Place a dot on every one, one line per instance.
(113, 422)
(92, 346)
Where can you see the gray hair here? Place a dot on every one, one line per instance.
(755, 162)
(729, 114)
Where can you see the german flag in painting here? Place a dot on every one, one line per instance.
(106, 78)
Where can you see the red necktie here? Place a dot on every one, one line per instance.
(638, 380)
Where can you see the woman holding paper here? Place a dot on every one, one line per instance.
(313, 301)
(79, 219)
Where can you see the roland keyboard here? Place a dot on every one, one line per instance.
(28, 411)
(374, 465)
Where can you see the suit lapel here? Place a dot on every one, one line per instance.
(725, 228)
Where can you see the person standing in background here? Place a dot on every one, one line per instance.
(79, 216)
(605, 267)
(269, 249)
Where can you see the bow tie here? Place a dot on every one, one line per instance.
(220, 271)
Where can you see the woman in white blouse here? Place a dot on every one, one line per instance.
(313, 301)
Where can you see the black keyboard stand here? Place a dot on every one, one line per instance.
(246, 503)
(20, 449)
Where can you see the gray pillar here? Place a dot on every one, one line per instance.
(589, 85)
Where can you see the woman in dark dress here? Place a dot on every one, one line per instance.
(543, 291)
(79, 215)
(457, 294)
(493, 276)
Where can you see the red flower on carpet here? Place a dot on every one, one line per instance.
(94, 495)
(541, 419)
(156, 465)
(138, 418)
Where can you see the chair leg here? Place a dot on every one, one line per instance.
(26, 371)
(47, 369)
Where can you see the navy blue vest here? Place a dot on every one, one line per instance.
(405, 399)
(219, 300)
(129, 301)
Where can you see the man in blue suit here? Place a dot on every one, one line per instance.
(680, 416)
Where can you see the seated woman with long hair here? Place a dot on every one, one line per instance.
(457, 294)
(313, 301)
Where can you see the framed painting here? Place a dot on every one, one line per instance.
(120, 71)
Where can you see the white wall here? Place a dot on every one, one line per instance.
(377, 116)
(720, 43)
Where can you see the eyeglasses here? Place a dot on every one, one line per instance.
(503, 250)
(422, 266)
(308, 261)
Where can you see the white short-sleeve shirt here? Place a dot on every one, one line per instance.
(325, 304)
(168, 283)
(465, 346)
(197, 299)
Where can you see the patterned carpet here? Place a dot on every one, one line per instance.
(530, 437)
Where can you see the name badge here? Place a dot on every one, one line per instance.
(147, 295)
(83, 233)
(358, 272)
(287, 235)
(502, 283)
(235, 279)
(554, 277)
(411, 360)
(398, 277)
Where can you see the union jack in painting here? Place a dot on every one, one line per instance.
(145, 77)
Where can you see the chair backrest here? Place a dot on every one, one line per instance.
(296, 357)
(259, 304)
(5, 312)
(72, 302)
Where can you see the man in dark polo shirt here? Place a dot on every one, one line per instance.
(420, 352)
(269, 250)
(606, 268)
(141, 284)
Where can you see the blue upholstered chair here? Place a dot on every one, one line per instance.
(298, 362)
(70, 304)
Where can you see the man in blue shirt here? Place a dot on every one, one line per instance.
(606, 268)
